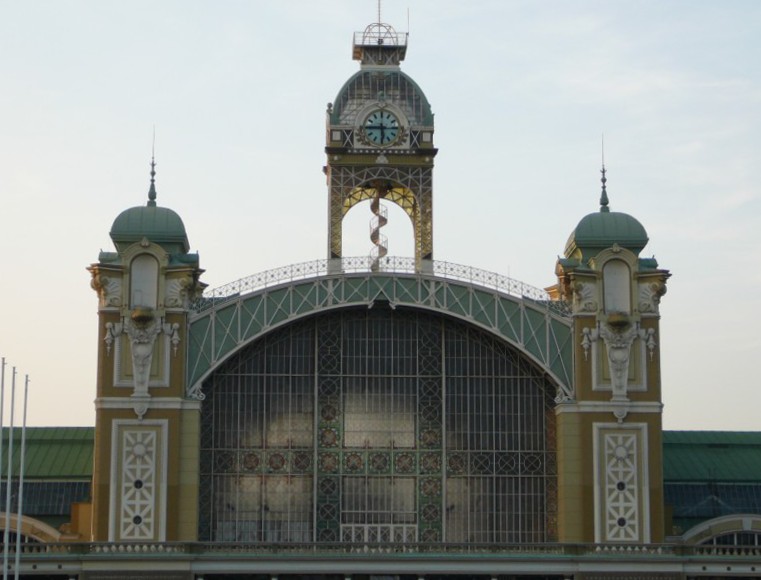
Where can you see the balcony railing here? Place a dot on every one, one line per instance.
(141, 549)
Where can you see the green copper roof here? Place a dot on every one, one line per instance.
(698, 456)
(715, 456)
(158, 224)
(600, 230)
(52, 452)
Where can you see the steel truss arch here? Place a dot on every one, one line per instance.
(533, 327)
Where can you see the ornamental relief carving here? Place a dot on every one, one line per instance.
(650, 294)
(618, 347)
(138, 491)
(142, 333)
(621, 513)
(137, 517)
(618, 341)
(585, 297)
(178, 292)
(109, 289)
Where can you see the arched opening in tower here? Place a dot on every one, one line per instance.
(359, 223)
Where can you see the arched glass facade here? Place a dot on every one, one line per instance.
(378, 425)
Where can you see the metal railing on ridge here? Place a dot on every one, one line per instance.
(364, 264)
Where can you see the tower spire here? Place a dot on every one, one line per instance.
(604, 195)
(152, 190)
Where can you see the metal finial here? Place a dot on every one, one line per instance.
(604, 195)
(379, 12)
(152, 190)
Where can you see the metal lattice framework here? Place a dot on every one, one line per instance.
(228, 318)
(411, 188)
(392, 86)
(378, 426)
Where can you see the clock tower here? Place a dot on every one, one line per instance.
(379, 145)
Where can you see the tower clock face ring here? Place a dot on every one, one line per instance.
(381, 127)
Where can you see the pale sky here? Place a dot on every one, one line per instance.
(522, 92)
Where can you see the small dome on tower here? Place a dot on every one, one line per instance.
(603, 229)
(159, 225)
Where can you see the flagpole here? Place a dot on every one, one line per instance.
(2, 412)
(17, 566)
(8, 480)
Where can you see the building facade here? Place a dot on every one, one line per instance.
(380, 416)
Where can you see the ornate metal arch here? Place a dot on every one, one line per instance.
(409, 187)
(222, 326)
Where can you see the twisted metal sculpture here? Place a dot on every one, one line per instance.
(379, 240)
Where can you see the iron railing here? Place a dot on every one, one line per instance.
(364, 264)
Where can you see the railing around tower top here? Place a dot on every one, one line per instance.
(364, 264)
(380, 34)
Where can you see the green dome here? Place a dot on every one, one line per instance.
(160, 225)
(602, 229)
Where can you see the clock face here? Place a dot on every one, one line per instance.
(381, 128)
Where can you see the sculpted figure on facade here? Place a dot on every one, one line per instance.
(618, 345)
(142, 337)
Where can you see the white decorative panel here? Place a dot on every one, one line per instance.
(138, 481)
(621, 483)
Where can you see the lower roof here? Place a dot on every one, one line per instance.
(712, 456)
(688, 456)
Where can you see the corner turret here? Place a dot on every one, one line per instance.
(143, 413)
(614, 298)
